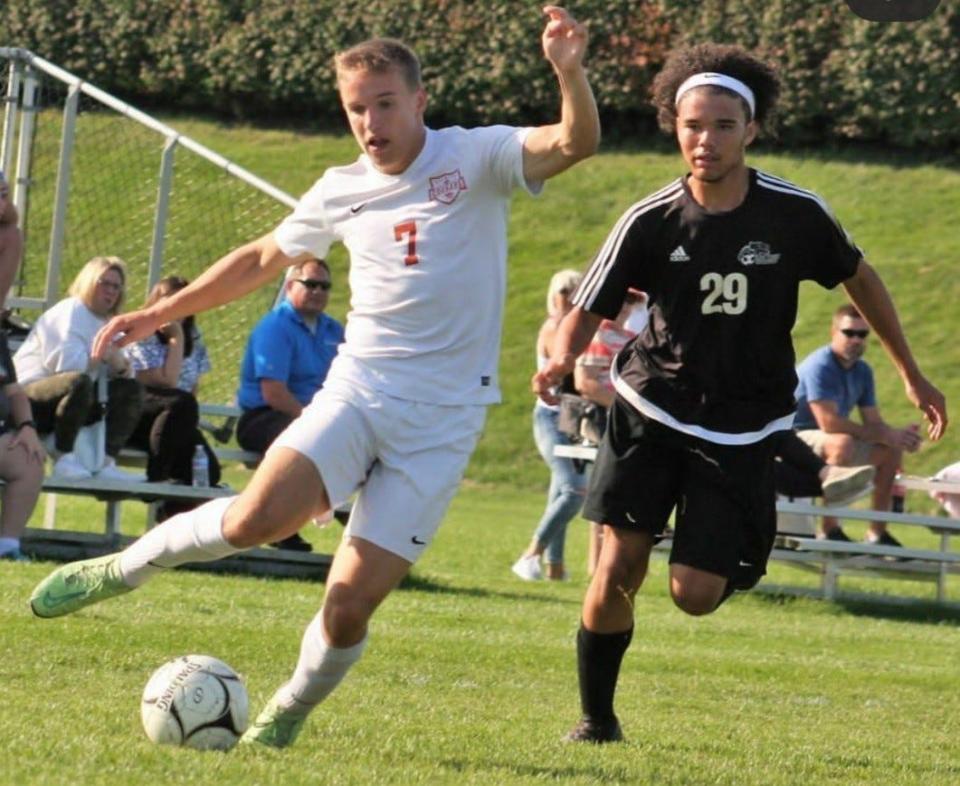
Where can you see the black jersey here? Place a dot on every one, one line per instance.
(716, 358)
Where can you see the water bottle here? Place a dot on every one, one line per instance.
(898, 492)
(201, 468)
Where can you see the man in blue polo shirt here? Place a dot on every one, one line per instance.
(286, 361)
(833, 381)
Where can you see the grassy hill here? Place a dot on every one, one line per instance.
(897, 209)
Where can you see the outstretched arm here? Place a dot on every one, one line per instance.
(233, 276)
(548, 150)
(867, 292)
(573, 336)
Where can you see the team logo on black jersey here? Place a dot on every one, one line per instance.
(757, 252)
(447, 187)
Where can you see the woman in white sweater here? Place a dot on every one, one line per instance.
(57, 373)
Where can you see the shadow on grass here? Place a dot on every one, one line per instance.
(425, 584)
(900, 609)
(594, 774)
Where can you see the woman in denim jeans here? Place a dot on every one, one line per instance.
(568, 479)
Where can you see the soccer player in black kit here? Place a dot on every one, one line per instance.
(704, 392)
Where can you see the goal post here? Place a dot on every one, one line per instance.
(92, 175)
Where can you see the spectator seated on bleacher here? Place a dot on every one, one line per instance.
(55, 368)
(169, 364)
(286, 361)
(833, 381)
(21, 459)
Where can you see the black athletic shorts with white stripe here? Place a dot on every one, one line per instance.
(724, 495)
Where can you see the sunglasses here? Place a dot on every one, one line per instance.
(113, 286)
(851, 333)
(313, 284)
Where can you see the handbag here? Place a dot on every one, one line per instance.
(90, 446)
(580, 419)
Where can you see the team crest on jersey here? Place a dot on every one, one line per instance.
(447, 187)
(757, 252)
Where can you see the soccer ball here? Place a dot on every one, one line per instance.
(196, 701)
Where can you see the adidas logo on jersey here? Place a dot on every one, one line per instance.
(679, 255)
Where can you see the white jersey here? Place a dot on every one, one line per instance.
(428, 254)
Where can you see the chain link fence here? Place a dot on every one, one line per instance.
(92, 176)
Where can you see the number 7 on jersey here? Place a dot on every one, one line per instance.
(408, 228)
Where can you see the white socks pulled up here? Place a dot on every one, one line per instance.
(194, 536)
(320, 669)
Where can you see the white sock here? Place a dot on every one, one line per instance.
(194, 536)
(319, 669)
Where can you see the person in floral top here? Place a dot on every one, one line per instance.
(169, 364)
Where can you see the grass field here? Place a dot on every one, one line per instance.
(470, 675)
(470, 679)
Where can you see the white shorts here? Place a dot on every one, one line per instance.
(406, 457)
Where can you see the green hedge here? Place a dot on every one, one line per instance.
(844, 78)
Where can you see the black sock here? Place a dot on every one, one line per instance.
(599, 656)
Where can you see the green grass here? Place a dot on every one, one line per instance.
(470, 679)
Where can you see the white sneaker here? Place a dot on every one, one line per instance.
(110, 471)
(68, 467)
(528, 568)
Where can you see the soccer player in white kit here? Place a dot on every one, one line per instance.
(423, 214)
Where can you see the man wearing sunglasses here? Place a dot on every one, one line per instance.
(286, 361)
(287, 357)
(833, 381)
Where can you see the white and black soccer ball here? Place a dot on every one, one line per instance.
(196, 701)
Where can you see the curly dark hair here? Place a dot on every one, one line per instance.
(727, 59)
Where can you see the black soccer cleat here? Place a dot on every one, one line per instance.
(295, 542)
(598, 732)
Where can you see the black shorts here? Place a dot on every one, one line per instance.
(723, 494)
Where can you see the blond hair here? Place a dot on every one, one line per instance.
(562, 281)
(86, 281)
(378, 56)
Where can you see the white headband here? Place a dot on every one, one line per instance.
(718, 80)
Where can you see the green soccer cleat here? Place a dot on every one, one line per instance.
(78, 584)
(274, 726)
